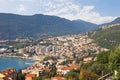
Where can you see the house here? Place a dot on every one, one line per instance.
(47, 69)
(9, 73)
(1, 76)
(74, 67)
(36, 72)
(88, 59)
(29, 76)
(63, 70)
(57, 78)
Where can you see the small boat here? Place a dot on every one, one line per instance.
(28, 63)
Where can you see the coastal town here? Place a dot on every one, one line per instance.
(55, 56)
(59, 40)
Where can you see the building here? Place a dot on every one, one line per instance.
(29, 76)
(9, 74)
(43, 50)
(21, 51)
(1, 76)
(57, 78)
(88, 59)
(63, 70)
(54, 48)
(49, 49)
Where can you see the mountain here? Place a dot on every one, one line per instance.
(108, 37)
(116, 21)
(85, 26)
(36, 26)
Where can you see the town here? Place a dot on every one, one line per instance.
(55, 56)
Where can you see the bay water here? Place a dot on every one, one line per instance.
(17, 63)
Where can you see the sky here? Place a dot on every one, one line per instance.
(95, 11)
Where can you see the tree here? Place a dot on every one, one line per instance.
(72, 76)
(103, 57)
(101, 66)
(20, 76)
(99, 69)
(37, 78)
(87, 75)
(114, 62)
(52, 71)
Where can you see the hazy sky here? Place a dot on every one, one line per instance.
(96, 11)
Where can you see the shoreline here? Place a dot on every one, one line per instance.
(31, 58)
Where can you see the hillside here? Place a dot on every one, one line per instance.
(108, 37)
(36, 26)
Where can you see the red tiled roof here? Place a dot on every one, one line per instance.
(30, 75)
(47, 69)
(8, 71)
(57, 78)
(38, 66)
(65, 68)
(74, 67)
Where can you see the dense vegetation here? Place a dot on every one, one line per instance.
(17, 26)
(114, 63)
(108, 37)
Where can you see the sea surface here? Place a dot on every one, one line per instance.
(18, 63)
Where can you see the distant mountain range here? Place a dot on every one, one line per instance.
(116, 21)
(14, 26)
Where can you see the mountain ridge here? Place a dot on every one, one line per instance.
(115, 21)
(36, 26)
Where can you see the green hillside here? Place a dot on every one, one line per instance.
(108, 37)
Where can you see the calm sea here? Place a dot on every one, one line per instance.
(18, 63)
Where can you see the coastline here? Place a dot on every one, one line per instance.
(31, 58)
(34, 61)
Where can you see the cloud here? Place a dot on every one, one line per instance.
(21, 8)
(72, 11)
(68, 9)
